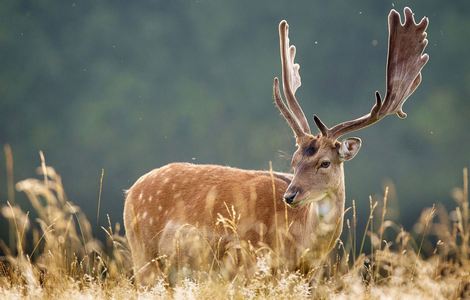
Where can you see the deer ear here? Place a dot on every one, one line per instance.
(348, 148)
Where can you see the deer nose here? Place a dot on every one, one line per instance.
(290, 196)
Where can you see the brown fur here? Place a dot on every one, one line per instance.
(186, 194)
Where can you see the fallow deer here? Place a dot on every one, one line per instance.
(309, 203)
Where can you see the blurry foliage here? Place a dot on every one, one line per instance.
(129, 86)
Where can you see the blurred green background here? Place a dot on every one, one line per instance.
(132, 85)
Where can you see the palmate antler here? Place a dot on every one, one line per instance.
(406, 45)
(292, 112)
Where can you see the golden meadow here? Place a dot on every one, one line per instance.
(55, 254)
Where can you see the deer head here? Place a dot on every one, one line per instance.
(318, 160)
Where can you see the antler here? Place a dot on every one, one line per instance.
(292, 112)
(405, 60)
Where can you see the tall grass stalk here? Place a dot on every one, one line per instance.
(99, 198)
(10, 188)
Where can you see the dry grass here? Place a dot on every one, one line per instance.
(57, 256)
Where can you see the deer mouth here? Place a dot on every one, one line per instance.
(309, 198)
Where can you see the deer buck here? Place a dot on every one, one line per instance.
(308, 204)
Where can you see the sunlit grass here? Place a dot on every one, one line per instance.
(56, 255)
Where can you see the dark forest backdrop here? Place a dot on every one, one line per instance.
(132, 85)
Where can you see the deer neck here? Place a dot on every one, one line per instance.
(325, 217)
(330, 208)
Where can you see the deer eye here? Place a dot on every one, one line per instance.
(325, 164)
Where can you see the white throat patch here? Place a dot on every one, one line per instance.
(325, 208)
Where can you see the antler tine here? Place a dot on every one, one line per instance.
(286, 113)
(405, 60)
(320, 125)
(290, 76)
